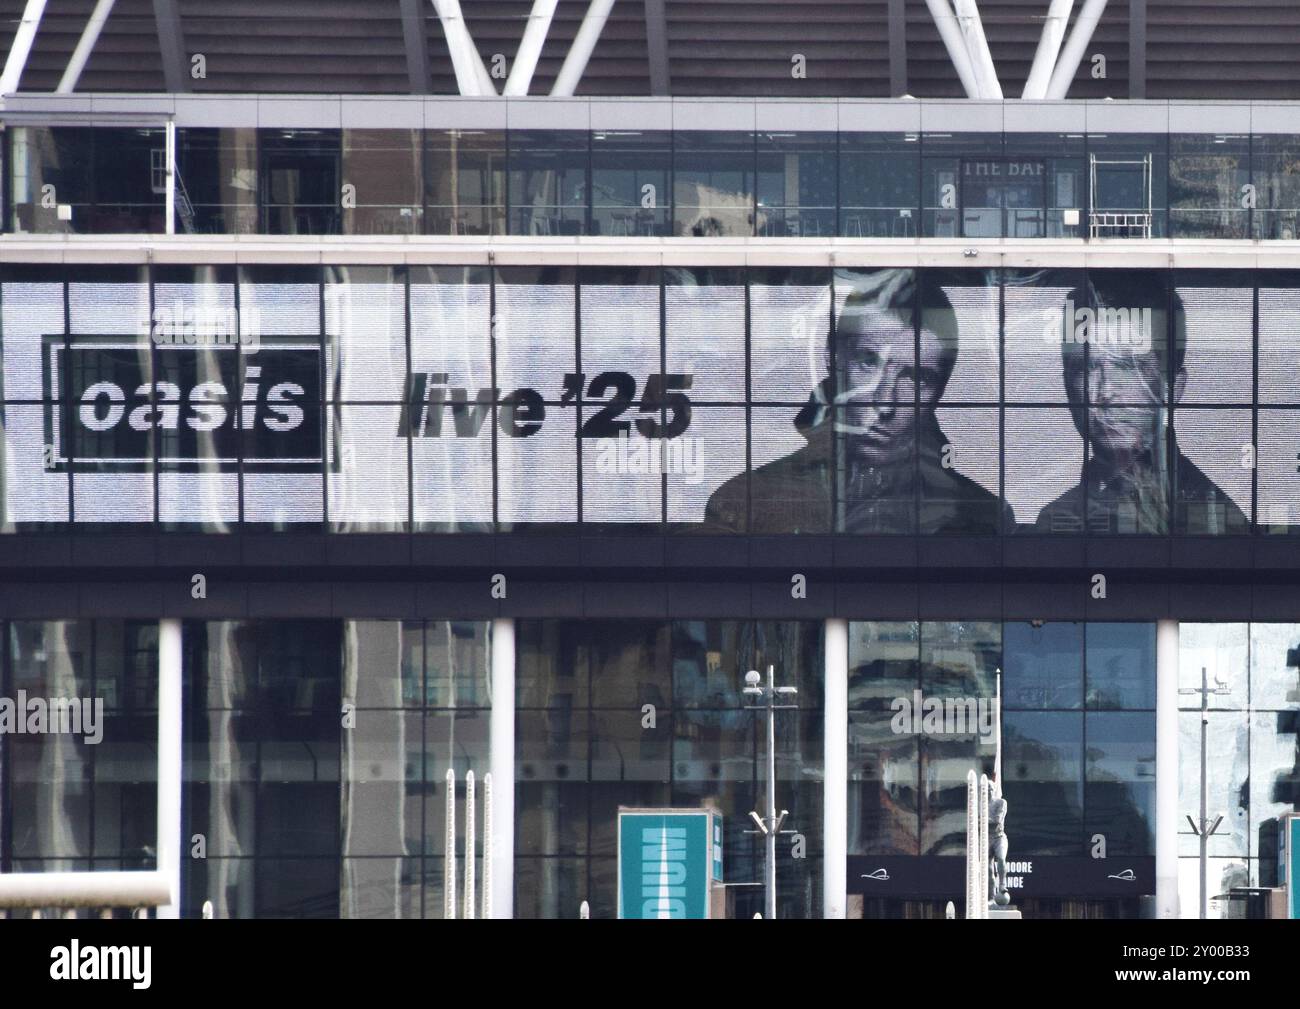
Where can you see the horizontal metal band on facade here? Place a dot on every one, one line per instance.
(676, 252)
(638, 113)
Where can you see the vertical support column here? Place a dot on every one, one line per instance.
(501, 732)
(835, 760)
(170, 720)
(170, 155)
(1167, 769)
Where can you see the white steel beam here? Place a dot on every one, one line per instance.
(16, 61)
(584, 43)
(85, 46)
(472, 77)
(1049, 47)
(1072, 54)
(946, 22)
(977, 48)
(530, 47)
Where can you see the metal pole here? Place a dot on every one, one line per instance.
(770, 867)
(1205, 795)
(449, 851)
(1167, 816)
(1049, 47)
(835, 779)
(1072, 54)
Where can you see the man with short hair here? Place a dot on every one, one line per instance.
(1117, 383)
(879, 412)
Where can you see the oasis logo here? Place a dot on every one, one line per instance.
(663, 872)
(116, 403)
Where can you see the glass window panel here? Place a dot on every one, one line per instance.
(383, 888)
(1212, 486)
(1274, 666)
(381, 805)
(960, 658)
(1128, 477)
(1206, 176)
(536, 344)
(1132, 181)
(1042, 665)
(451, 328)
(1274, 777)
(1278, 472)
(630, 665)
(546, 459)
(455, 740)
(705, 467)
(1222, 651)
(713, 183)
(884, 661)
(1121, 665)
(705, 332)
(384, 167)
(883, 800)
(944, 762)
(959, 485)
(300, 186)
(368, 489)
(217, 170)
(631, 188)
(31, 323)
(959, 336)
(1214, 325)
(51, 791)
(552, 665)
(1279, 353)
(550, 888)
(1041, 312)
(28, 499)
(1222, 874)
(1273, 161)
(375, 671)
(452, 472)
(1227, 769)
(465, 185)
(1042, 767)
(365, 334)
(458, 658)
(1044, 459)
(548, 181)
(879, 184)
(790, 479)
(199, 348)
(41, 156)
(789, 334)
(1120, 780)
(709, 661)
(796, 184)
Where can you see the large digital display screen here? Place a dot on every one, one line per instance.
(725, 400)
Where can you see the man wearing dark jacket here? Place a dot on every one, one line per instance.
(873, 426)
(1117, 385)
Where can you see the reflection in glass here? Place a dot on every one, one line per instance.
(713, 183)
(1120, 780)
(1121, 669)
(1042, 665)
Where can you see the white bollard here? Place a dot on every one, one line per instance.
(449, 856)
(487, 845)
(972, 839)
(207, 909)
(983, 906)
(584, 912)
(469, 844)
(950, 912)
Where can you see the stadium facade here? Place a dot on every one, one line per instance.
(363, 423)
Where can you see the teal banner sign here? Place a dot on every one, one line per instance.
(1290, 874)
(667, 861)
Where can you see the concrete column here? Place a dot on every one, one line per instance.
(1167, 817)
(170, 720)
(501, 733)
(835, 760)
